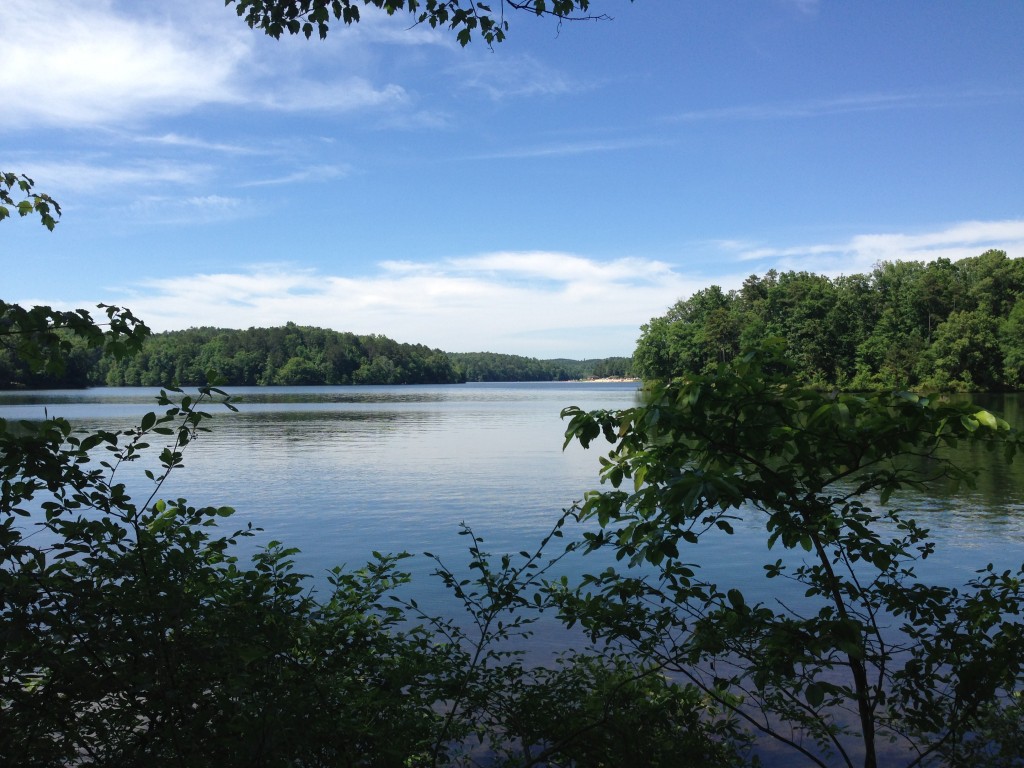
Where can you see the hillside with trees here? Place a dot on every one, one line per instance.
(284, 356)
(940, 325)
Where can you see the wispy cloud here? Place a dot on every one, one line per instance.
(188, 209)
(861, 252)
(803, 7)
(867, 102)
(352, 94)
(94, 174)
(314, 173)
(191, 142)
(569, 148)
(398, 29)
(505, 76)
(96, 66)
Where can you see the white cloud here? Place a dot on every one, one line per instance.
(91, 176)
(803, 7)
(353, 94)
(398, 29)
(79, 62)
(76, 63)
(537, 304)
(568, 148)
(861, 252)
(191, 142)
(190, 209)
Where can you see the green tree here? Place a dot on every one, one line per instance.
(863, 652)
(298, 371)
(132, 634)
(895, 328)
(800, 308)
(694, 336)
(1011, 339)
(966, 354)
(889, 358)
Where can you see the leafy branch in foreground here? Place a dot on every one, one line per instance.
(31, 202)
(275, 17)
(857, 652)
(42, 341)
(581, 709)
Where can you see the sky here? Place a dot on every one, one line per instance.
(544, 198)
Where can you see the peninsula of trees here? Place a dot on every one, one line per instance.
(941, 325)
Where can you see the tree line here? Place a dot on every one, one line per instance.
(286, 355)
(491, 366)
(941, 325)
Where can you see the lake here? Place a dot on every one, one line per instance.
(342, 471)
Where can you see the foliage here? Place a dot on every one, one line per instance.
(30, 203)
(1011, 341)
(43, 346)
(464, 17)
(859, 652)
(582, 711)
(942, 325)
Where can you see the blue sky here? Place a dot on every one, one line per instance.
(545, 198)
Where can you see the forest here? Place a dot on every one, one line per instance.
(284, 356)
(936, 326)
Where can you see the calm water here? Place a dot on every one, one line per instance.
(342, 471)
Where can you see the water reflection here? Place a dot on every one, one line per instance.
(342, 471)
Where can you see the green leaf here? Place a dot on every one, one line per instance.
(815, 694)
(986, 419)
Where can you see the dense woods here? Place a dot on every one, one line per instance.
(940, 325)
(288, 355)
